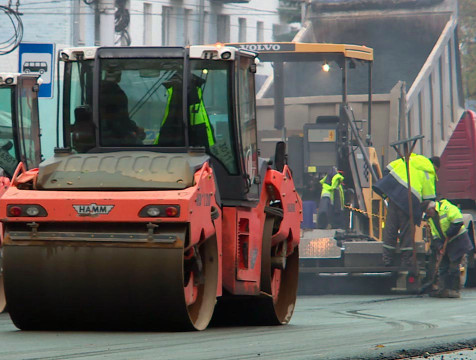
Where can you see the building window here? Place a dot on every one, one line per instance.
(147, 24)
(223, 28)
(260, 31)
(206, 28)
(187, 26)
(166, 25)
(242, 30)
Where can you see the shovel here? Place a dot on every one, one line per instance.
(439, 257)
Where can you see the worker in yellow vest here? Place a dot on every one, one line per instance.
(171, 130)
(331, 204)
(449, 238)
(394, 186)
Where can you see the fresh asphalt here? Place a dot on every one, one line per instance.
(323, 327)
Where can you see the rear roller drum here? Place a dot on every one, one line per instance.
(3, 300)
(200, 283)
(279, 281)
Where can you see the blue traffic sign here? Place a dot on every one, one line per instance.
(38, 59)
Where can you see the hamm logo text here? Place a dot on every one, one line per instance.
(92, 209)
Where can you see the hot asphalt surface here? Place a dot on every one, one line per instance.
(323, 327)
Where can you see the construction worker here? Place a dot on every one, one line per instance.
(394, 186)
(331, 205)
(117, 128)
(451, 241)
(201, 130)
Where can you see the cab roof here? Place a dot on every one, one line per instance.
(211, 52)
(358, 52)
(12, 78)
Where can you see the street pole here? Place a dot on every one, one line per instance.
(106, 22)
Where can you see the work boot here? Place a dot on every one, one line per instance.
(453, 294)
(434, 291)
(449, 294)
(441, 293)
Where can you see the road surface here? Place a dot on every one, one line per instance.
(323, 327)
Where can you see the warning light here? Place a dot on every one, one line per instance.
(171, 211)
(326, 67)
(411, 279)
(15, 211)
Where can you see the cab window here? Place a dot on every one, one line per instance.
(210, 111)
(247, 116)
(8, 153)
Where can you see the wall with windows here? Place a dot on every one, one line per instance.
(151, 22)
(198, 21)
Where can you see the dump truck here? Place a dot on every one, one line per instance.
(416, 90)
(156, 210)
(19, 132)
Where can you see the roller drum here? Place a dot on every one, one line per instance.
(105, 287)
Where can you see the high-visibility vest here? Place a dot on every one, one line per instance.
(335, 184)
(422, 175)
(448, 214)
(197, 114)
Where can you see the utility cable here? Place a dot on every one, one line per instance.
(12, 43)
(122, 18)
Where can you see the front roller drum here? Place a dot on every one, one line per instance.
(91, 287)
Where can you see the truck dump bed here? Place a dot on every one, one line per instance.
(416, 72)
(457, 175)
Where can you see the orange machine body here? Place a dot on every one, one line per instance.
(238, 230)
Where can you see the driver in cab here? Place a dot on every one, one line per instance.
(117, 129)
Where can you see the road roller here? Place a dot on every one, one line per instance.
(19, 132)
(155, 212)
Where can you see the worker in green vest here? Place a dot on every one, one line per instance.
(450, 239)
(394, 186)
(331, 204)
(171, 130)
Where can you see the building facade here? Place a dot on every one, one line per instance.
(176, 22)
(144, 22)
(69, 23)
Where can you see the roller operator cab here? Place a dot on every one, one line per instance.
(156, 204)
(19, 133)
(19, 123)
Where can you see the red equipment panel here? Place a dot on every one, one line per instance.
(457, 174)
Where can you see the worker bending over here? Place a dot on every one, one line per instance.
(451, 241)
(331, 205)
(394, 186)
